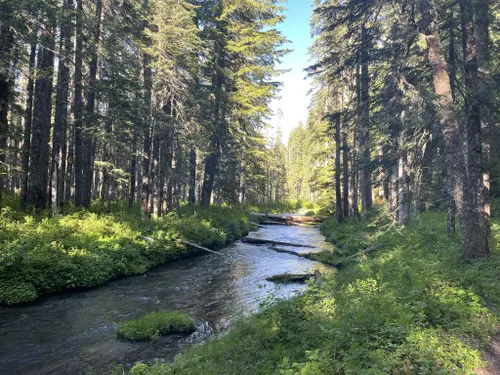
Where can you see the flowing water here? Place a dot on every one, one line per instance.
(75, 333)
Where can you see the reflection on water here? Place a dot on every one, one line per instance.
(74, 333)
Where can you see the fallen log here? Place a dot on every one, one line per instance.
(257, 224)
(190, 244)
(291, 278)
(260, 241)
(284, 251)
(367, 251)
(289, 218)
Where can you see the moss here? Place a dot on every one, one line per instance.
(153, 325)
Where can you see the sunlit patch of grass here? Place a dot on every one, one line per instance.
(154, 325)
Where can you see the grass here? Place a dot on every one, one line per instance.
(154, 325)
(413, 307)
(40, 256)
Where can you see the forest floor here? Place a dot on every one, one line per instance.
(414, 306)
(492, 357)
(79, 250)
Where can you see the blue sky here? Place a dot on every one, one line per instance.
(294, 100)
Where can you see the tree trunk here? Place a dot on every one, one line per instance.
(338, 170)
(78, 104)
(28, 119)
(475, 234)
(192, 175)
(403, 191)
(365, 181)
(42, 111)
(474, 241)
(133, 171)
(146, 156)
(61, 111)
(154, 176)
(481, 30)
(87, 142)
(345, 160)
(6, 44)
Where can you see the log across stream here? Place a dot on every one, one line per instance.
(74, 333)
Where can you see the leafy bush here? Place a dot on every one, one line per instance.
(153, 325)
(83, 249)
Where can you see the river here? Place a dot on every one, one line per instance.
(74, 333)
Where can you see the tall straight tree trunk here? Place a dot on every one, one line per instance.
(338, 170)
(192, 175)
(87, 142)
(133, 171)
(78, 104)
(345, 167)
(476, 228)
(146, 156)
(403, 190)
(452, 208)
(154, 176)
(6, 44)
(481, 30)
(365, 181)
(42, 111)
(473, 239)
(61, 111)
(28, 119)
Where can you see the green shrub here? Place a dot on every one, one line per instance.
(12, 292)
(153, 325)
(85, 249)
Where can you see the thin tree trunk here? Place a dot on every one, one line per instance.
(78, 105)
(154, 175)
(146, 156)
(133, 171)
(403, 190)
(192, 175)
(28, 120)
(345, 159)
(364, 133)
(338, 170)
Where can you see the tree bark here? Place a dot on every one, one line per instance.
(474, 242)
(345, 160)
(61, 111)
(477, 229)
(28, 119)
(365, 180)
(338, 170)
(87, 142)
(133, 171)
(192, 175)
(146, 156)
(78, 104)
(42, 111)
(6, 45)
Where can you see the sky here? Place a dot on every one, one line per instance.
(294, 100)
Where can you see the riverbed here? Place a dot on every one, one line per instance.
(74, 333)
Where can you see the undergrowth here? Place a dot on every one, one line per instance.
(152, 326)
(39, 256)
(412, 307)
